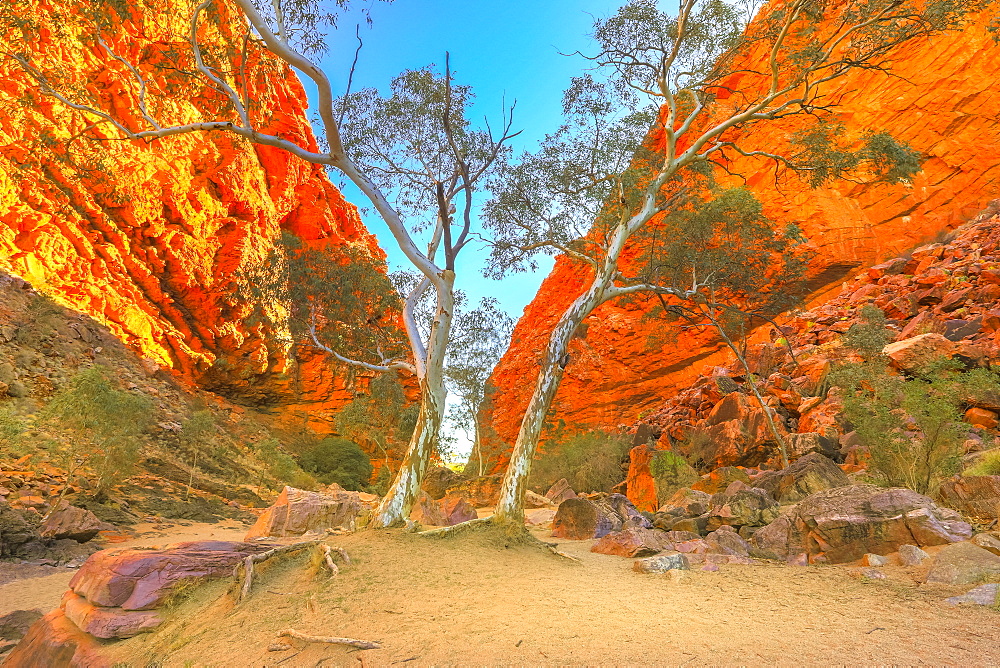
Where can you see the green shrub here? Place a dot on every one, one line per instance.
(11, 431)
(590, 461)
(988, 464)
(337, 460)
(670, 472)
(109, 422)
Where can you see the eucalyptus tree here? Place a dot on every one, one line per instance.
(413, 155)
(669, 98)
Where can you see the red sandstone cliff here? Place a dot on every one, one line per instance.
(149, 240)
(944, 102)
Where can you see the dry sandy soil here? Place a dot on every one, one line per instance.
(472, 600)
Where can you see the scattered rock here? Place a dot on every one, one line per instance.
(14, 625)
(741, 505)
(911, 555)
(559, 492)
(987, 542)
(661, 563)
(533, 500)
(595, 517)
(982, 418)
(915, 353)
(456, 509)
(481, 492)
(297, 511)
(437, 481)
(976, 496)
(719, 479)
(71, 522)
(278, 647)
(867, 573)
(141, 578)
(692, 502)
(539, 516)
(839, 525)
(726, 541)
(986, 594)
(633, 542)
(808, 475)
(56, 641)
(874, 560)
(963, 563)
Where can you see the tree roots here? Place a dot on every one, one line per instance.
(247, 565)
(360, 644)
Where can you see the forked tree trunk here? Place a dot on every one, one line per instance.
(398, 501)
(510, 507)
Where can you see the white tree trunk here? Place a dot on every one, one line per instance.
(510, 507)
(398, 501)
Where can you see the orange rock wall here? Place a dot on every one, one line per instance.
(150, 241)
(945, 103)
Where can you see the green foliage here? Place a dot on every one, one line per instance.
(988, 464)
(280, 465)
(382, 419)
(337, 460)
(590, 461)
(825, 156)
(912, 426)
(11, 431)
(341, 304)
(109, 424)
(870, 335)
(671, 472)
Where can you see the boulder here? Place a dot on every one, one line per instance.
(297, 511)
(16, 531)
(841, 524)
(661, 563)
(726, 541)
(633, 542)
(640, 487)
(982, 418)
(437, 481)
(963, 563)
(911, 555)
(741, 505)
(719, 479)
(559, 492)
(108, 622)
(987, 542)
(692, 502)
(595, 517)
(456, 509)
(916, 352)
(481, 492)
(987, 594)
(14, 625)
(810, 474)
(56, 641)
(533, 500)
(141, 578)
(427, 511)
(975, 496)
(71, 522)
(539, 517)
(801, 445)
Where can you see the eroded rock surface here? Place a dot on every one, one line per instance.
(297, 511)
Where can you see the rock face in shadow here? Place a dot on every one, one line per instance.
(297, 511)
(842, 524)
(808, 475)
(974, 496)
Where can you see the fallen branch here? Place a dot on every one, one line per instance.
(552, 548)
(249, 561)
(329, 561)
(360, 644)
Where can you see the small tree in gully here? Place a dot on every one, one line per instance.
(643, 130)
(413, 155)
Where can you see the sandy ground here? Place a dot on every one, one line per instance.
(27, 587)
(471, 600)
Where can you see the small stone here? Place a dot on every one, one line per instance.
(661, 563)
(875, 560)
(867, 573)
(986, 594)
(911, 555)
(987, 542)
(278, 647)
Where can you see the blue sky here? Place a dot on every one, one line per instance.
(506, 50)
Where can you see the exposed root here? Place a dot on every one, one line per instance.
(328, 553)
(552, 547)
(455, 528)
(248, 564)
(360, 644)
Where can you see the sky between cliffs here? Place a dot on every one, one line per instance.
(506, 50)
